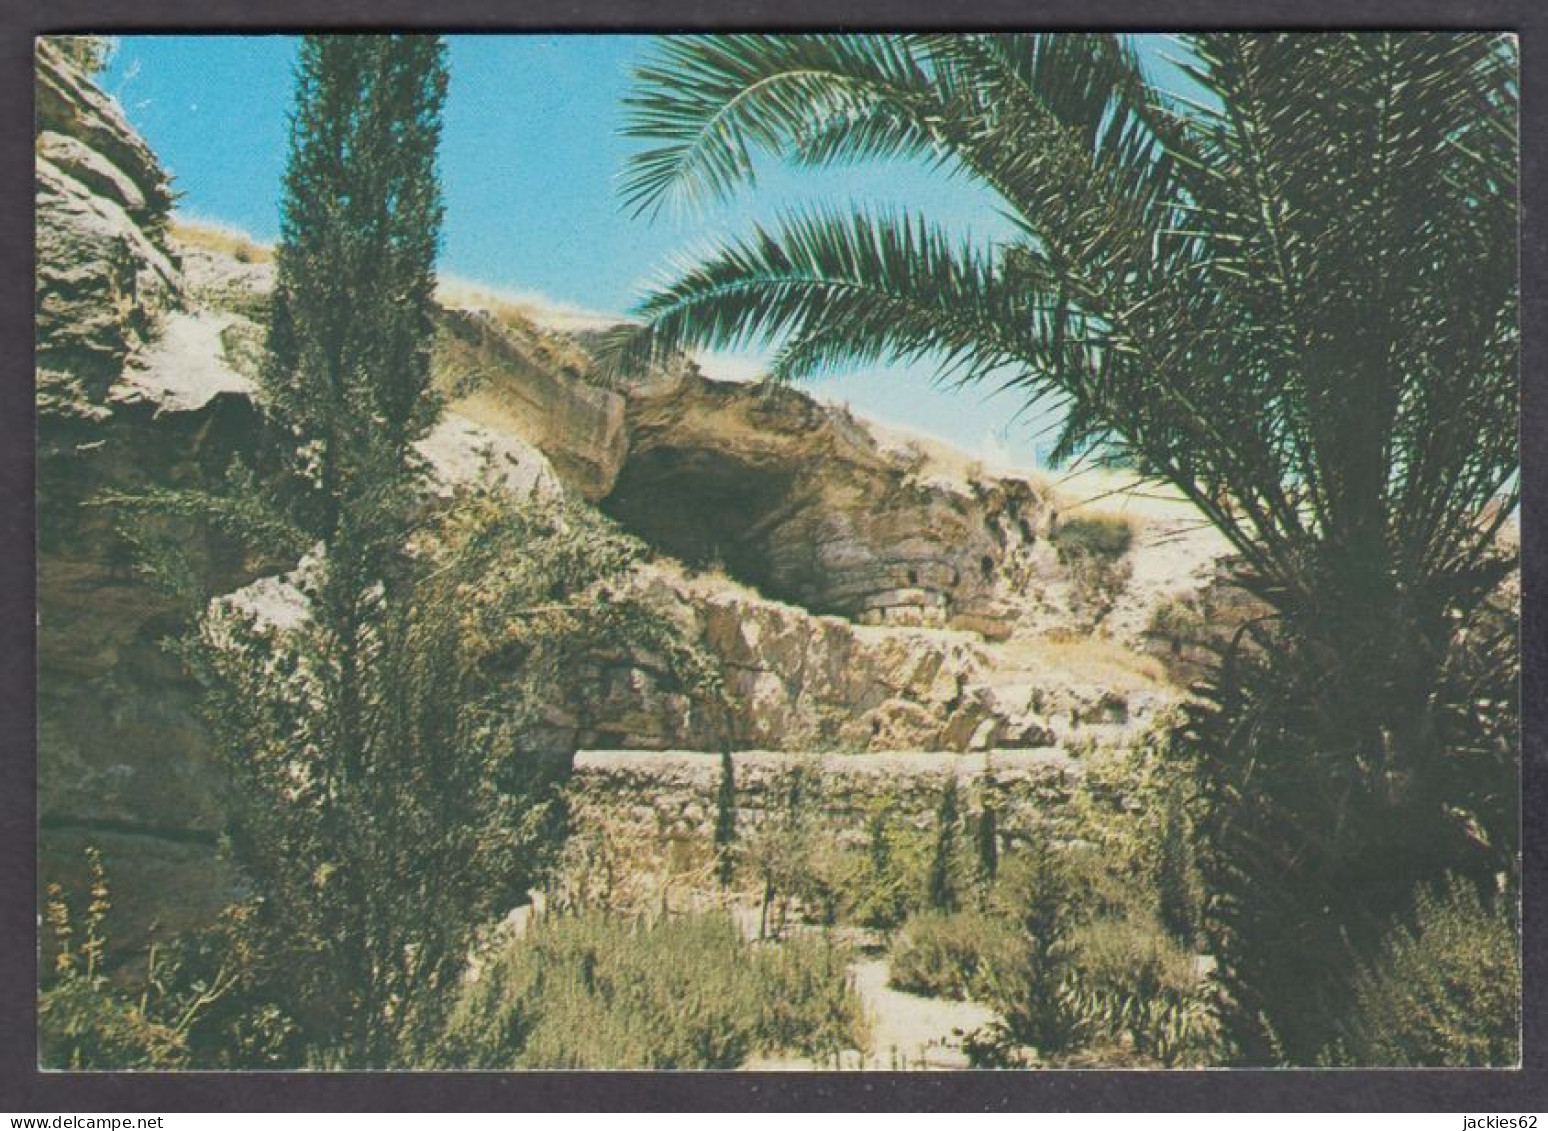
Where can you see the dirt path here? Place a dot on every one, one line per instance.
(908, 1031)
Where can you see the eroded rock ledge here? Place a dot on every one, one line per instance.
(800, 501)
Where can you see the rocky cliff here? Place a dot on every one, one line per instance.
(859, 591)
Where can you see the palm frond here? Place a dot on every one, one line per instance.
(848, 288)
(712, 101)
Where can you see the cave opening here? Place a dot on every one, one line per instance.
(704, 508)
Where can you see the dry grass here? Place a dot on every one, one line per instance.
(520, 308)
(528, 321)
(221, 240)
(1094, 658)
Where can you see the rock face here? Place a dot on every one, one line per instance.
(104, 270)
(798, 681)
(121, 754)
(800, 501)
(539, 396)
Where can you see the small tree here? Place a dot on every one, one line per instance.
(1037, 893)
(987, 838)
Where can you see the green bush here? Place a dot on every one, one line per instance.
(1077, 963)
(197, 1004)
(1037, 894)
(1179, 890)
(1445, 992)
(1130, 982)
(941, 887)
(1093, 536)
(1133, 814)
(84, 1024)
(592, 991)
(951, 955)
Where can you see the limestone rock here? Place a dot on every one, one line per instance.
(577, 425)
(133, 393)
(802, 502)
(102, 285)
(70, 105)
(802, 682)
(461, 451)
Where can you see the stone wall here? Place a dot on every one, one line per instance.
(666, 800)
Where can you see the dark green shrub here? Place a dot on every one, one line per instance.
(1092, 536)
(986, 843)
(83, 1022)
(725, 821)
(1037, 894)
(1328, 795)
(215, 985)
(807, 1002)
(1179, 890)
(597, 992)
(781, 852)
(886, 882)
(1445, 992)
(941, 883)
(197, 1004)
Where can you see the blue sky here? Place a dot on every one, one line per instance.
(531, 149)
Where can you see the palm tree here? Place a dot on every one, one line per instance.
(1292, 297)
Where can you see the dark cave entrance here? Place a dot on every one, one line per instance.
(704, 508)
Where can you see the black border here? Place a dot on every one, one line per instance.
(24, 1089)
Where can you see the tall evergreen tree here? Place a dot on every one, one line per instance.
(347, 375)
(725, 820)
(393, 780)
(346, 382)
(940, 883)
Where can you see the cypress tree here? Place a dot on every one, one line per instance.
(393, 782)
(392, 788)
(988, 842)
(1176, 873)
(725, 820)
(347, 375)
(346, 385)
(941, 888)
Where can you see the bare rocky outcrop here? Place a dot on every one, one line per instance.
(799, 681)
(121, 755)
(800, 501)
(510, 381)
(105, 273)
